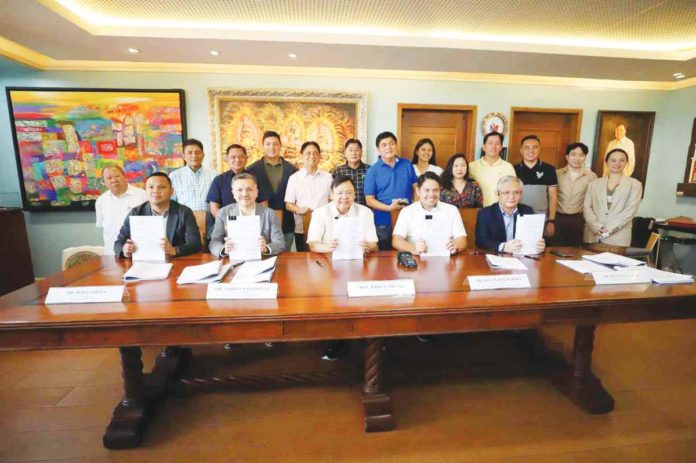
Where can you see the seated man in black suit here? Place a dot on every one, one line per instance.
(495, 224)
(182, 234)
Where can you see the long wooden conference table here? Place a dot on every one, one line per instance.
(313, 305)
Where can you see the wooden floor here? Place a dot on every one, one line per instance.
(482, 399)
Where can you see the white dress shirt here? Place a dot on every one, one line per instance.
(112, 211)
(413, 219)
(308, 190)
(323, 219)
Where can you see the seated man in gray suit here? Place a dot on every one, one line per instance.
(245, 191)
(182, 234)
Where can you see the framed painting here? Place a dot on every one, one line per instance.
(688, 187)
(326, 117)
(64, 137)
(630, 131)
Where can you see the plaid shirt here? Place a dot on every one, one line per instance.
(191, 188)
(358, 177)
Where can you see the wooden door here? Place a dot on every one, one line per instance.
(451, 128)
(556, 128)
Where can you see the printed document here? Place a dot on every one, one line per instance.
(582, 266)
(212, 272)
(256, 271)
(530, 229)
(609, 258)
(147, 232)
(505, 263)
(347, 232)
(436, 234)
(148, 271)
(244, 232)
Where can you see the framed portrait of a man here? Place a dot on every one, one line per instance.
(688, 187)
(630, 131)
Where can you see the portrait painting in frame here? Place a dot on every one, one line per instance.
(64, 137)
(327, 117)
(627, 130)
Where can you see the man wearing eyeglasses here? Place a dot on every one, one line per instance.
(495, 224)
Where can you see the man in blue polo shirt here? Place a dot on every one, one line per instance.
(389, 186)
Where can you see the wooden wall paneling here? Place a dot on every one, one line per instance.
(555, 127)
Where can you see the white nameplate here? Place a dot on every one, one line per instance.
(84, 294)
(242, 291)
(511, 281)
(621, 277)
(405, 287)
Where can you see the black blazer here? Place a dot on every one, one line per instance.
(490, 227)
(182, 230)
(276, 200)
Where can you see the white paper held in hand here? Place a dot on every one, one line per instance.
(348, 234)
(147, 233)
(529, 228)
(436, 234)
(244, 232)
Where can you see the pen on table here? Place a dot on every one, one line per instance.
(532, 257)
(319, 264)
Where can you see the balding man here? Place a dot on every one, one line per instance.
(495, 224)
(113, 205)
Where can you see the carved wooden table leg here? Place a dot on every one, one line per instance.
(377, 405)
(128, 422)
(578, 382)
(169, 367)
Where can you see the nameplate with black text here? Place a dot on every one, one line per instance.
(511, 281)
(371, 288)
(85, 294)
(242, 291)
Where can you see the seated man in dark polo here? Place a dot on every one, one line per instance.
(220, 193)
(182, 236)
(495, 224)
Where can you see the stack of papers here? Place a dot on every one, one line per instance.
(614, 260)
(212, 272)
(582, 266)
(258, 271)
(662, 278)
(505, 263)
(147, 271)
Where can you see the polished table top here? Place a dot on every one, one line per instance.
(314, 298)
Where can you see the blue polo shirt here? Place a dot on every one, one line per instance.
(386, 183)
(221, 190)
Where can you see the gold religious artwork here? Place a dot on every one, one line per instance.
(328, 118)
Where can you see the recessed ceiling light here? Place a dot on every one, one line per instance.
(292, 55)
(134, 51)
(678, 75)
(214, 52)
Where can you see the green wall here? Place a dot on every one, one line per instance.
(49, 233)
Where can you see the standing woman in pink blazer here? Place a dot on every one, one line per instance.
(611, 202)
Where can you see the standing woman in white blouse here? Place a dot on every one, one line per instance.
(611, 202)
(424, 158)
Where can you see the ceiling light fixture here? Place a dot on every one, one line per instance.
(678, 75)
(214, 52)
(133, 51)
(292, 55)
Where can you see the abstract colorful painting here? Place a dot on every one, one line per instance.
(64, 137)
(328, 118)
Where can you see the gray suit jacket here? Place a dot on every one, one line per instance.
(182, 230)
(270, 229)
(619, 218)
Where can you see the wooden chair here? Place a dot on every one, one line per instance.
(202, 222)
(394, 216)
(645, 253)
(306, 219)
(469, 218)
(78, 254)
(279, 214)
